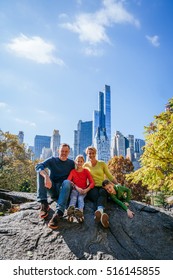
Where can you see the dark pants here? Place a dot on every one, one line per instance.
(99, 196)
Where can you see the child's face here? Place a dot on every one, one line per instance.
(110, 189)
(79, 162)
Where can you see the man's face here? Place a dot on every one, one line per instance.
(63, 153)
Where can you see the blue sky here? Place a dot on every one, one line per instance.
(55, 56)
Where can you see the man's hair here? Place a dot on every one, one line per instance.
(105, 183)
(64, 145)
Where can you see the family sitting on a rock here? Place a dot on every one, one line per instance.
(66, 180)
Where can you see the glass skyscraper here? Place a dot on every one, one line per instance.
(108, 111)
(39, 143)
(83, 137)
(101, 111)
(102, 125)
(55, 142)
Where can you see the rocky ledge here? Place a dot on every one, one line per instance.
(23, 235)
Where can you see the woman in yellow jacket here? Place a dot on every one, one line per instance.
(99, 171)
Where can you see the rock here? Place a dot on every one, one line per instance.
(148, 236)
(4, 205)
(17, 197)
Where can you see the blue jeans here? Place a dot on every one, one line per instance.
(77, 199)
(58, 191)
(99, 196)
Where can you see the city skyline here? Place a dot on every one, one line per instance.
(57, 56)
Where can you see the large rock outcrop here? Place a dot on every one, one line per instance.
(148, 236)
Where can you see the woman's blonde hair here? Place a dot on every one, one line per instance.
(90, 148)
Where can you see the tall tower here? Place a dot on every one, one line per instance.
(101, 111)
(21, 137)
(102, 123)
(55, 142)
(118, 147)
(39, 143)
(108, 111)
(95, 122)
(83, 137)
(131, 145)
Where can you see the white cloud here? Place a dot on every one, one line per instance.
(90, 51)
(5, 108)
(154, 40)
(91, 27)
(34, 48)
(3, 105)
(25, 122)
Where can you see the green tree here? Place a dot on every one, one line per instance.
(16, 168)
(157, 160)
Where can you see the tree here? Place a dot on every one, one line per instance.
(16, 168)
(157, 160)
(119, 168)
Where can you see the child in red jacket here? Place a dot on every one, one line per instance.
(82, 182)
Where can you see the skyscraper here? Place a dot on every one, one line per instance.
(108, 111)
(131, 145)
(21, 137)
(83, 137)
(95, 122)
(102, 125)
(39, 143)
(139, 143)
(118, 145)
(55, 142)
(101, 111)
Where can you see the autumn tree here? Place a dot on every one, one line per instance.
(157, 160)
(119, 168)
(16, 168)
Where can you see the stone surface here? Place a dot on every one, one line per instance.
(148, 236)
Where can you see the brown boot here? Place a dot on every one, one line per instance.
(105, 220)
(53, 223)
(79, 215)
(44, 210)
(97, 216)
(70, 213)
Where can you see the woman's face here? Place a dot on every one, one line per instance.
(91, 154)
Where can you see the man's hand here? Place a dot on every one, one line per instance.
(47, 182)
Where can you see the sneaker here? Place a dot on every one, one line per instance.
(97, 216)
(105, 220)
(79, 215)
(53, 223)
(44, 210)
(70, 213)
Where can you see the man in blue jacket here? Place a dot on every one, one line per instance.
(55, 182)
